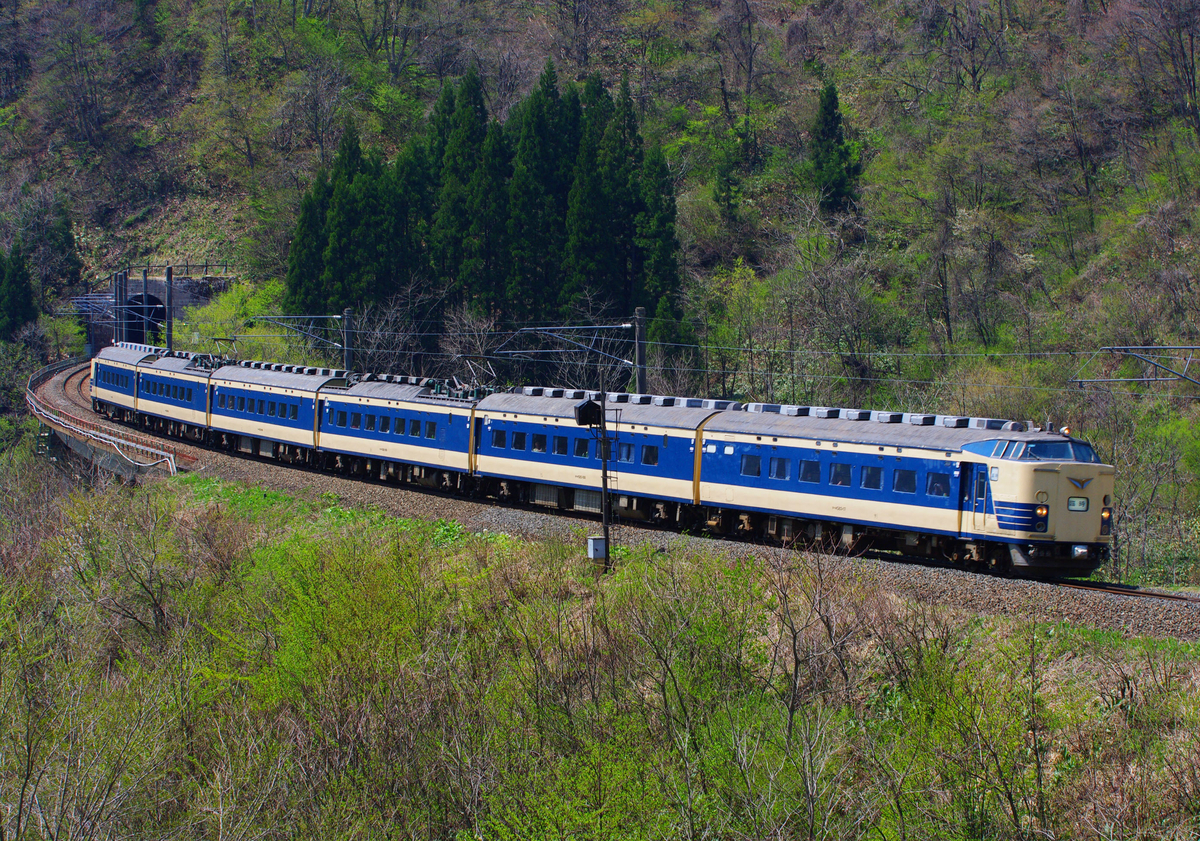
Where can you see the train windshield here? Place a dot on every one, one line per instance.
(1057, 451)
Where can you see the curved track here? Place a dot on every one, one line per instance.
(1112, 607)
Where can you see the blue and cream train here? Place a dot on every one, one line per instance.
(975, 491)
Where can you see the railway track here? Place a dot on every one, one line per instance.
(1124, 590)
(1113, 607)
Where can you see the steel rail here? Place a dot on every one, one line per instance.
(117, 440)
(1122, 590)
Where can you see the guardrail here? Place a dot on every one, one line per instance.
(119, 441)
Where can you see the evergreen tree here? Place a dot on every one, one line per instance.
(356, 251)
(349, 158)
(306, 261)
(412, 194)
(485, 268)
(590, 260)
(620, 163)
(833, 163)
(597, 110)
(437, 132)
(656, 232)
(467, 129)
(16, 294)
(536, 226)
(452, 222)
(57, 257)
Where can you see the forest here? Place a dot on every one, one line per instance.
(934, 205)
(949, 206)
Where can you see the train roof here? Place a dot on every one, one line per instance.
(127, 354)
(275, 379)
(406, 391)
(642, 409)
(860, 426)
(177, 364)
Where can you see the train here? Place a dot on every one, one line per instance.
(982, 493)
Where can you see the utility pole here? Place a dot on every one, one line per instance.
(639, 327)
(170, 309)
(605, 501)
(116, 287)
(347, 341)
(145, 306)
(595, 415)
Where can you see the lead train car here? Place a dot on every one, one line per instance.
(970, 490)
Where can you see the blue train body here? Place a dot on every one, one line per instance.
(971, 490)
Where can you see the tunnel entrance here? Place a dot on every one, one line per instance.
(144, 318)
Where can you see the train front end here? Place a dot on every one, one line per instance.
(1071, 498)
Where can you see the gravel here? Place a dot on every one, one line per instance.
(950, 588)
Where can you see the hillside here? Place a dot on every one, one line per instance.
(1011, 186)
(202, 659)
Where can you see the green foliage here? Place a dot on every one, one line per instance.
(530, 220)
(210, 655)
(16, 293)
(834, 162)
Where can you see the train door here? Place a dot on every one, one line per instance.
(973, 497)
(476, 440)
(318, 413)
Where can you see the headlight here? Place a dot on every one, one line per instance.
(1106, 521)
(1042, 511)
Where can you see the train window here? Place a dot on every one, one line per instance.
(560, 445)
(1048, 451)
(539, 443)
(872, 477)
(649, 455)
(904, 481)
(1084, 452)
(581, 447)
(220, 401)
(355, 420)
(370, 423)
(781, 468)
(839, 474)
(937, 484)
(625, 453)
(1008, 446)
(241, 404)
(271, 409)
(751, 465)
(499, 438)
(189, 397)
(341, 418)
(518, 441)
(414, 428)
(810, 471)
(385, 424)
(261, 407)
(430, 429)
(174, 392)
